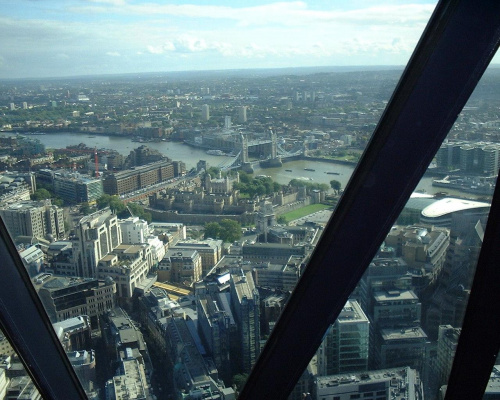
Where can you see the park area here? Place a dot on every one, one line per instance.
(304, 211)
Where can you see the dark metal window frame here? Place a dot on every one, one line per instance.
(453, 53)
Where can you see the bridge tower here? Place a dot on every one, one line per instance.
(244, 149)
(274, 145)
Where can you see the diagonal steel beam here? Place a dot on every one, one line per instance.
(479, 340)
(27, 327)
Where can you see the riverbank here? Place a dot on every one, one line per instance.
(329, 160)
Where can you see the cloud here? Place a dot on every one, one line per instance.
(203, 36)
(293, 13)
(186, 43)
(110, 2)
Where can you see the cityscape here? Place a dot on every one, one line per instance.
(165, 219)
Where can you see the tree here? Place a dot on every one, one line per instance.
(85, 209)
(336, 185)
(230, 230)
(282, 220)
(212, 230)
(239, 381)
(113, 202)
(213, 171)
(103, 201)
(41, 194)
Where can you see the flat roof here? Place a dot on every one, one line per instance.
(392, 295)
(407, 334)
(450, 205)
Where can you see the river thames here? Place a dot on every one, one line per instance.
(190, 155)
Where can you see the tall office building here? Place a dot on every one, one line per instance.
(218, 329)
(12, 106)
(25, 105)
(76, 188)
(227, 122)
(242, 114)
(96, 236)
(38, 219)
(134, 230)
(205, 112)
(345, 345)
(245, 303)
(446, 347)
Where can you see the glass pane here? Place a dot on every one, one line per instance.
(218, 182)
(398, 333)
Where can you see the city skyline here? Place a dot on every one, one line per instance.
(50, 39)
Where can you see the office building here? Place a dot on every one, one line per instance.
(83, 362)
(400, 347)
(33, 259)
(134, 230)
(345, 347)
(382, 274)
(274, 253)
(137, 178)
(446, 346)
(245, 301)
(396, 309)
(74, 333)
(127, 265)
(205, 112)
(22, 387)
(210, 251)
(73, 187)
(217, 327)
(195, 376)
(65, 297)
(5, 347)
(123, 338)
(242, 114)
(36, 219)
(180, 266)
(130, 383)
(470, 157)
(227, 122)
(277, 276)
(394, 384)
(96, 235)
(423, 248)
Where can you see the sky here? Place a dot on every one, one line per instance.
(56, 38)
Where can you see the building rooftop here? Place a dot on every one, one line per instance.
(404, 334)
(244, 286)
(451, 205)
(130, 385)
(395, 295)
(72, 324)
(402, 383)
(352, 312)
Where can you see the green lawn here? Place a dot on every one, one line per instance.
(302, 212)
